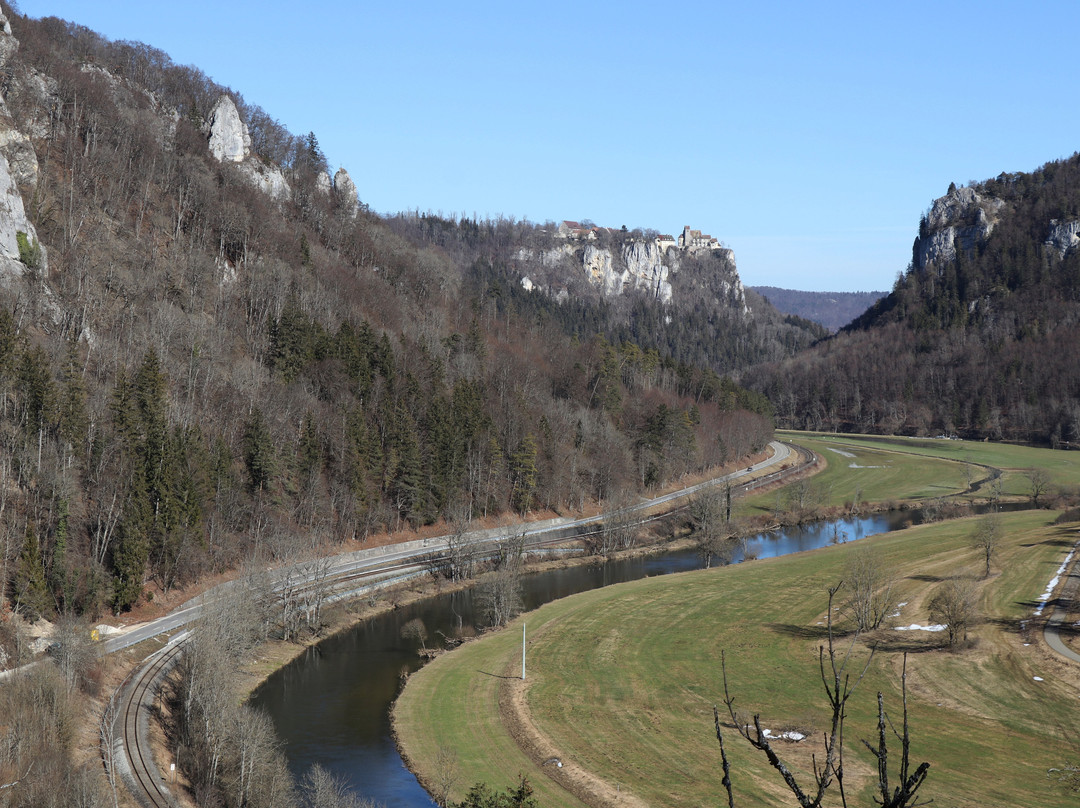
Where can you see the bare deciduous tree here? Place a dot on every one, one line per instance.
(1038, 483)
(445, 776)
(839, 688)
(710, 511)
(953, 605)
(321, 789)
(869, 587)
(499, 596)
(461, 544)
(986, 538)
(415, 631)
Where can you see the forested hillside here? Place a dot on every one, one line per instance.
(210, 351)
(833, 310)
(979, 335)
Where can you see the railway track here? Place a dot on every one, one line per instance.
(125, 743)
(128, 736)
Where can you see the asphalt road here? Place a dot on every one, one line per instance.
(1052, 630)
(362, 562)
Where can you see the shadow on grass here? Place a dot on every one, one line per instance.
(810, 632)
(1015, 625)
(1064, 541)
(929, 579)
(498, 675)
(904, 642)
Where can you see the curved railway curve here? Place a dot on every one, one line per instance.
(125, 738)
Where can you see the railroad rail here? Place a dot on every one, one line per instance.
(127, 752)
(125, 745)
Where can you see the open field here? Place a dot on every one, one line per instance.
(871, 469)
(621, 681)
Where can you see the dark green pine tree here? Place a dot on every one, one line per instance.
(258, 452)
(444, 470)
(31, 591)
(61, 578)
(356, 460)
(523, 474)
(309, 454)
(74, 421)
(406, 487)
(292, 340)
(37, 390)
(132, 548)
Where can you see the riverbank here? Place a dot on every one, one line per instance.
(634, 707)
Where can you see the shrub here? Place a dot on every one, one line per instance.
(29, 250)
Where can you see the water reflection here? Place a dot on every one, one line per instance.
(331, 705)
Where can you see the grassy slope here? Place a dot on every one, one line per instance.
(1062, 467)
(623, 679)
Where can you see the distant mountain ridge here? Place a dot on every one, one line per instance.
(833, 310)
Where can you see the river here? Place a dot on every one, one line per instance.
(332, 704)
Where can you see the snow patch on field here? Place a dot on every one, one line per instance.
(790, 735)
(1050, 587)
(840, 452)
(917, 627)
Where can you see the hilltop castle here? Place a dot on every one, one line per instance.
(688, 239)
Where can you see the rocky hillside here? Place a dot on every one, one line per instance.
(978, 335)
(688, 302)
(212, 351)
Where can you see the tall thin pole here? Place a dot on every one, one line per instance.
(523, 652)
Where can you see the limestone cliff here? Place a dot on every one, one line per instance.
(18, 167)
(634, 266)
(229, 137)
(346, 193)
(1064, 236)
(962, 218)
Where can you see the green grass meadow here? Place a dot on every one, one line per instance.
(622, 680)
(895, 468)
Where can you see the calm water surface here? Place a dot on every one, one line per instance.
(331, 705)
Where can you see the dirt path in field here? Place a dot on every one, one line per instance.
(583, 784)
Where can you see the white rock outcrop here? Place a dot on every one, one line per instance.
(8, 43)
(13, 221)
(346, 193)
(267, 178)
(229, 137)
(641, 265)
(962, 217)
(1064, 236)
(648, 271)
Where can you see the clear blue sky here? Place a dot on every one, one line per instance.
(809, 137)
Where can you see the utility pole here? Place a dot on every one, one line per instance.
(523, 652)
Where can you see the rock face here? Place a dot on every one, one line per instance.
(345, 191)
(267, 178)
(638, 265)
(1064, 236)
(8, 43)
(229, 138)
(961, 218)
(13, 221)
